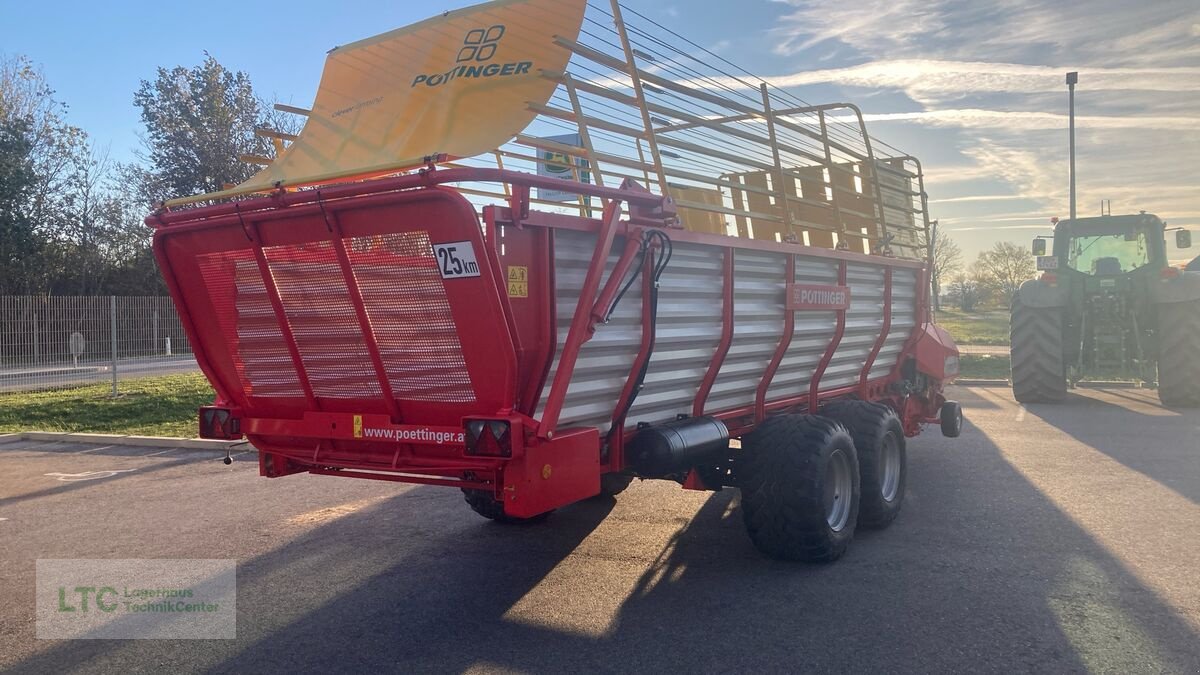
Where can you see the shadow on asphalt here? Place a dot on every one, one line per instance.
(980, 573)
(1161, 445)
(178, 457)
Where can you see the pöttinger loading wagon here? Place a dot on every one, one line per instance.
(534, 254)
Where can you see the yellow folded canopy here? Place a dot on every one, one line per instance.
(458, 84)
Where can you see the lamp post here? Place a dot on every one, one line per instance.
(1072, 78)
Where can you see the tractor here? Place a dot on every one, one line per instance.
(1108, 305)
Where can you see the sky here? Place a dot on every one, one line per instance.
(974, 89)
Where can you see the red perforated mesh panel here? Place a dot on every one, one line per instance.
(322, 320)
(247, 320)
(406, 302)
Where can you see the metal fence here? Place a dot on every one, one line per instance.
(68, 341)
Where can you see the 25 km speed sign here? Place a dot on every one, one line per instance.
(456, 260)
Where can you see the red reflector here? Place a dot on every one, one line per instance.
(492, 438)
(219, 423)
(1170, 272)
(1050, 278)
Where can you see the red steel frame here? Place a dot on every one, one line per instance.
(332, 453)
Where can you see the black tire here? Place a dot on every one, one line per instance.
(783, 473)
(1179, 354)
(486, 505)
(1039, 373)
(613, 484)
(882, 459)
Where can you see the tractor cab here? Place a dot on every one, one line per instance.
(1109, 246)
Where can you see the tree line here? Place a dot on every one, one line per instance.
(991, 280)
(71, 218)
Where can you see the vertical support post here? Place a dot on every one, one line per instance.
(113, 322)
(154, 344)
(1072, 78)
(862, 126)
(585, 137)
(884, 329)
(785, 341)
(714, 368)
(582, 323)
(837, 209)
(37, 356)
(640, 95)
(814, 385)
(780, 193)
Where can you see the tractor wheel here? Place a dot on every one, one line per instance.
(799, 480)
(882, 460)
(486, 505)
(1039, 372)
(1179, 354)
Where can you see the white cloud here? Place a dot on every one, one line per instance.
(976, 198)
(986, 80)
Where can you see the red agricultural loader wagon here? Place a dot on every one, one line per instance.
(723, 288)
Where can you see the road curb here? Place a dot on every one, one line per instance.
(136, 441)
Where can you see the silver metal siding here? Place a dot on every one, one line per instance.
(689, 330)
(605, 360)
(758, 297)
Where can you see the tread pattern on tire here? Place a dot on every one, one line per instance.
(1179, 354)
(868, 423)
(780, 475)
(1038, 365)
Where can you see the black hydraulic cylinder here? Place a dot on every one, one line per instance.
(663, 449)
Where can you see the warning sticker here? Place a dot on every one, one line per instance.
(518, 281)
(456, 260)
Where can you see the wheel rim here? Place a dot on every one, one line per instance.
(838, 488)
(889, 462)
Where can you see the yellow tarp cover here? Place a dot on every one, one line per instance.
(457, 84)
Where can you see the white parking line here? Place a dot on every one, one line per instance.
(1021, 413)
(87, 475)
(87, 450)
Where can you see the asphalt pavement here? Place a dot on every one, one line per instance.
(1046, 539)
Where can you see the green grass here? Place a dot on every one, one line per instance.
(976, 328)
(152, 406)
(983, 367)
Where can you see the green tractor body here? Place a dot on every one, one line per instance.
(1108, 305)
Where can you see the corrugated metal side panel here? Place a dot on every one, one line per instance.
(811, 336)
(605, 360)
(689, 330)
(758, 289)
(864, 320)
(904, 319)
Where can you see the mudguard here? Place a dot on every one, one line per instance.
(1183, 288)
(1038, 294)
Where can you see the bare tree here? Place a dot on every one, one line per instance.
(965, 292)
(947, 261)
(1004, 267)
